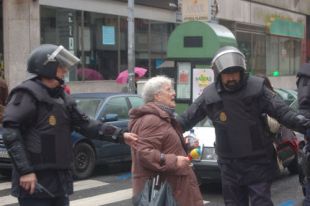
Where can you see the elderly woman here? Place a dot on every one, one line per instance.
(160, 147)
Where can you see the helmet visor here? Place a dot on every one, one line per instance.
(229, 61)
(64, 57)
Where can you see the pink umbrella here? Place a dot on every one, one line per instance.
(122, 77)
(89, 74)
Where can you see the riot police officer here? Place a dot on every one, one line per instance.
(235, 103)
(303, 86)
(38, 122)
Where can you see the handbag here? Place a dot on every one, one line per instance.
(155, 193)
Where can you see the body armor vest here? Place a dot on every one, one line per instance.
(239, 127)
(48, 139)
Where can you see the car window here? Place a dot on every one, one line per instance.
(117, 105)
(294, 105)
(88, 106)
(136, 101)
(287, 96)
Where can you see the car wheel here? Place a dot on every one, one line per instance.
(84, 160)
(293, 166)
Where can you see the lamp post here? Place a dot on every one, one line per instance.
(131, 47)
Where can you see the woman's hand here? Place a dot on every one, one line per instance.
(131, 139)
(182, 162)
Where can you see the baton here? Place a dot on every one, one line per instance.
(41, 187)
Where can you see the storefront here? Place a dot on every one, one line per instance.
(100, 41)
(268, 49)
(96, 32)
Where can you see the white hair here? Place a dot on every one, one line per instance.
(153, 86)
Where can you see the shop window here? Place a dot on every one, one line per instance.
(100, 41)
(253, 46)
(259, 54)
(272, 51)
(283, 55)
(244, 44)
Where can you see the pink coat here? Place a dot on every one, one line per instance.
(159, 133)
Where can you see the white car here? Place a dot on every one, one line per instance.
(206, 167)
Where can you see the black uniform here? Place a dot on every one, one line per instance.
(246, 154)
(303, 86)
(39, 122)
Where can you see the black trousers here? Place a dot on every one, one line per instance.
(57, 201)
(245, 182)
(258, 194)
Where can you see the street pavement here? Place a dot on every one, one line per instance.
(97, 191)
(115, 190)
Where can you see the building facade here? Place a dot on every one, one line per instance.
(96, 31)
(272, 34)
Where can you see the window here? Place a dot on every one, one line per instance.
(89, 106)
(136, 101)
(272, 51)
(283, 55)
(101, 40)
(244, 44)
(117, 105)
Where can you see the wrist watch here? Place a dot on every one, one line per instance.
(162, 159)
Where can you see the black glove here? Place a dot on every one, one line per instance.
(110, 131)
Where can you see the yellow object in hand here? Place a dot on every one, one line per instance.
(195, 153)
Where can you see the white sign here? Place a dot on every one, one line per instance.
(183, 81)
(195, 10)
(201, 79)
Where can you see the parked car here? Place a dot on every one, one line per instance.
(105, 107)
(287, 145)
(5, 162)
(288, 95)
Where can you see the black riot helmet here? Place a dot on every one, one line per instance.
(44, 60)
(228, 59)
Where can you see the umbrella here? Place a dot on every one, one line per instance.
(89, 74)
(122, 77)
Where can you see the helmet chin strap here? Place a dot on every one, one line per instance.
(61, 81)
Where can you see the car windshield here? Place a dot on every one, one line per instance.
(89, 106)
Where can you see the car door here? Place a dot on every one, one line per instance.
(115, 151)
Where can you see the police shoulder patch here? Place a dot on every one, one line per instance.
(223, 117)
(52, 120)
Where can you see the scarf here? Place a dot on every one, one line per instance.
(169, 110)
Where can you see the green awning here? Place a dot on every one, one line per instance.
(287, 28)
(198, 40)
